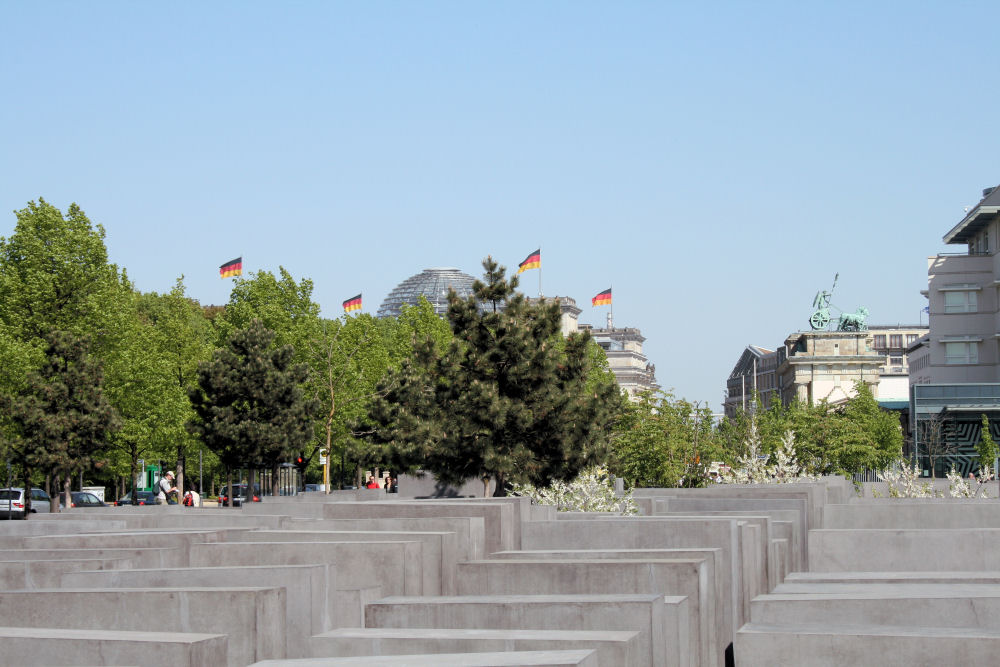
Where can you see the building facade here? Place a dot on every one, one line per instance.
(824, 365)
(955, 368)
(755, 374)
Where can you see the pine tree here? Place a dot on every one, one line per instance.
(62, 419)
(250, 405)
(505, 401)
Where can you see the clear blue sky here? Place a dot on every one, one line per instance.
(716, 163)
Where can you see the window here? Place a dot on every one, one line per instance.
(960, 302)
(879, 341)
(911, 339)
(896, 340)
(961, 353)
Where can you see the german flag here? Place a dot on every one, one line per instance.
(231, 268)
(602, 298)
(354, 303)
(532, 261)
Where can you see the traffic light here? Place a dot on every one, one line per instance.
(300, 461)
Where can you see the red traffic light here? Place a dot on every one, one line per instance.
(299, 460)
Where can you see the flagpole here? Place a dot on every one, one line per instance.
(539, 272)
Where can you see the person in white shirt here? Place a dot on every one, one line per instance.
(167, 487)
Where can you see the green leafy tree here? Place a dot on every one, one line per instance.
(54, 275)
(986, 447)
(663, 441)
(62, 419)
(249, 403)
(503, 402)
(183, 337)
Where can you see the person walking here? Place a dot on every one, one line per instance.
(167, 487)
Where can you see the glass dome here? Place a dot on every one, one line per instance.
(433, 284)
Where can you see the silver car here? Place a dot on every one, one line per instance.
(12, 502)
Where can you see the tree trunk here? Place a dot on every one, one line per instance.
(27, 493)
(179, 476)
(67, 491)
(229, 484)
(275, 487)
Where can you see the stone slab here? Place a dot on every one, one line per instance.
(504, 659)
(469, 531)
(27, 574)
(42, 647)
(611, 647)
(439, 549)
(855, 550)
(669, 577)
(498, 518)
(656, 533)
(310, 591)
(253, 619)
(395, 566)
(653, 616)
(822, 645)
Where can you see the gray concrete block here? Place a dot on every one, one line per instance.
(41, 647)
(821, 645)
(48, 573)
(253, 619)
(612, 647)
(310, 591)
(669, 577)
(842, 550)
(657, 533)
(914, 513)
(653, 616)
(917, 605)
(498, 518)
(505, 659)
(138, 557)
(469, 532)
(440, 551)
(395, 566)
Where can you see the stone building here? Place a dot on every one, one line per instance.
(824, 365)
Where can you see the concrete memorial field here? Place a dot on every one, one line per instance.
(791, 574)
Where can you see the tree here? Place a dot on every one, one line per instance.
(54, 276)
(662, 441)
(935, 442)
(182, 336)
(62, 418)
(249, 402)
(986, 447)
(502, 402)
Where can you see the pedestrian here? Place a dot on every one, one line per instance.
(167, 487)
(372, 484)
(391, 486)
(192, 498)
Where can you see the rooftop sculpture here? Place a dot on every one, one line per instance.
(856, 321)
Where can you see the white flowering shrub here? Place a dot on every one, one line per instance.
(902, 482)
(592, 491)
(756, 469)
(958, 487)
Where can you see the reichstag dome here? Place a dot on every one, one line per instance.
(433, 284)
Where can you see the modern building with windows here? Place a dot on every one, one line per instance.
(955, 369)
(753, 375)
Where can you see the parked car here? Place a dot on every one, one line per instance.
(12, 502)
(143, 497)
(85, 499)
(309, 488)
(239, 495)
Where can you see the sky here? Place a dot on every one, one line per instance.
(715, 163)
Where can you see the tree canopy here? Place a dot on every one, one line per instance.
(505, 400)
